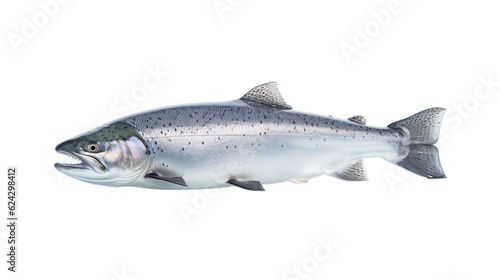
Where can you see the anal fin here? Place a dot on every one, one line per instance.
(247, 185)
(173, 180)
(352, 171)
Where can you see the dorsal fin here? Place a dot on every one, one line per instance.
(352, 171)
(267, 94)
(358, 119)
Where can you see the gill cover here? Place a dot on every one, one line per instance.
(113, 155)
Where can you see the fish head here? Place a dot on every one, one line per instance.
(112, 155)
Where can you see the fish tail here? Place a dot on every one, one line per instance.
(423, 130)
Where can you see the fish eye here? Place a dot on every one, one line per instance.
(92, 147)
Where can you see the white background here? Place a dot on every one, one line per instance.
(75, 70)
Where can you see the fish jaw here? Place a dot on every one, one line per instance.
(82, 162)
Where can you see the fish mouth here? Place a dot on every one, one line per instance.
(74, 161)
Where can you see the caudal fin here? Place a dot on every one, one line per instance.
(423, 129)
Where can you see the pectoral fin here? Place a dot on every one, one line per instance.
(173, 180)
(248, 185)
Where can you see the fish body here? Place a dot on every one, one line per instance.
(258, 139)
